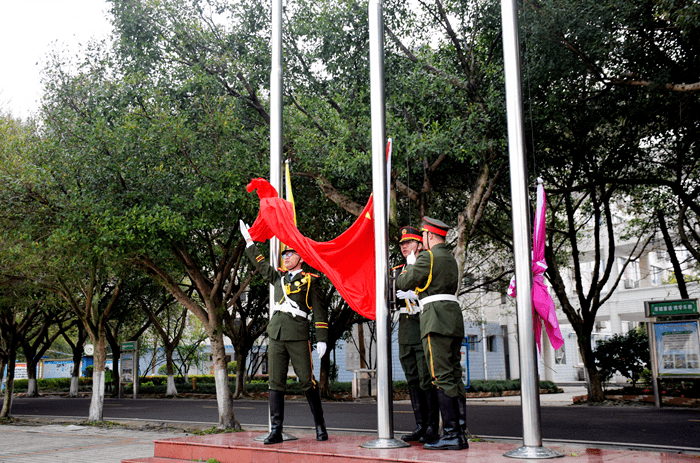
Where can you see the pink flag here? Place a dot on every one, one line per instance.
(543, 309)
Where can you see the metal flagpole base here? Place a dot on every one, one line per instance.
(285, 437)
(532, 453)
(384, 444)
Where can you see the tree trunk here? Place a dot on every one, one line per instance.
(31, 380)
(116, 358)
(98, 378)
(171, 390)
(116, 379)
(75, 374)
(595, 389)
(3, 362)
(680, 280)
(241, 372)
(223, 393)
(10, 385)
(74, 386)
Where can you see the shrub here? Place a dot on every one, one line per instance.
(627, 353)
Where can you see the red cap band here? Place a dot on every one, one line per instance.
(430, 228)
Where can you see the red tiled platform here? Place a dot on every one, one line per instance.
(241, 448)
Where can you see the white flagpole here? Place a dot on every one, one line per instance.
(275, 145)
(385, 427)
(530, 399)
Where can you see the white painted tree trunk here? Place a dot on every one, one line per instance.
(223, 393)
(223, 399)
(31, 387)
(171, 390)
(98, 396)
(98, 379)
(74, 383)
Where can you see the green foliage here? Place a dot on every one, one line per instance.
(627, 353)
(231, 367)
(494, 385)
(53, 384)
(333, 372)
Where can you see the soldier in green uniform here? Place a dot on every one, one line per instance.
(421, 391)
(297, 295)
(434, 276)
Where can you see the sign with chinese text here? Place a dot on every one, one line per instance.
(671, 308)
(677, 348)
(127, 346)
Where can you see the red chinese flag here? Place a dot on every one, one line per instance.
(348, 260)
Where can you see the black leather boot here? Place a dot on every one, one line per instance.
(452, 438)
(432, 431)
(462, 416)
(276, 401)
(314, 398)
(420, 405)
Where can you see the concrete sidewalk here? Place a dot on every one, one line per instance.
(75, 444)
(560, 399)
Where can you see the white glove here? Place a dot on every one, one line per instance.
(245, 232)
(411, 259)
(321, 347)
(410, 295)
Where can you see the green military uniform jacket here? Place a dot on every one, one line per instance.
(409, 325)
(437, 277)
(303, 289)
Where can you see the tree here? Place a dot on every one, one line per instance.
(169, 326)
(605, 93)
(75, 337)
(18, 311)
(46, 327)
(174, 155)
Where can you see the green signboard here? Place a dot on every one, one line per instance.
(671, 308)
(127, 346)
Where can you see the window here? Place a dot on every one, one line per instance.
(656, 275)
(472, 343)
(630, 274)
(560, 355)
(490, 343)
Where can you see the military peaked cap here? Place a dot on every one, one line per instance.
(435, 226)
(409, 233)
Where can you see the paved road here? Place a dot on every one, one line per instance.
(645, 425)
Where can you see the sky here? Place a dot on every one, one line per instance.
(29, 30)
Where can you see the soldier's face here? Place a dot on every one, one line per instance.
(291, 260)
(408, 246)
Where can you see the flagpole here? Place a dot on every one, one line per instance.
(529, 392)
(275, 146)
(385, 426)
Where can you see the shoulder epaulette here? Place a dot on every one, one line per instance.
(312, 274)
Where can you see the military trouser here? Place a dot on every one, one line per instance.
(444, 362)
(279, 353)
(415, 366)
